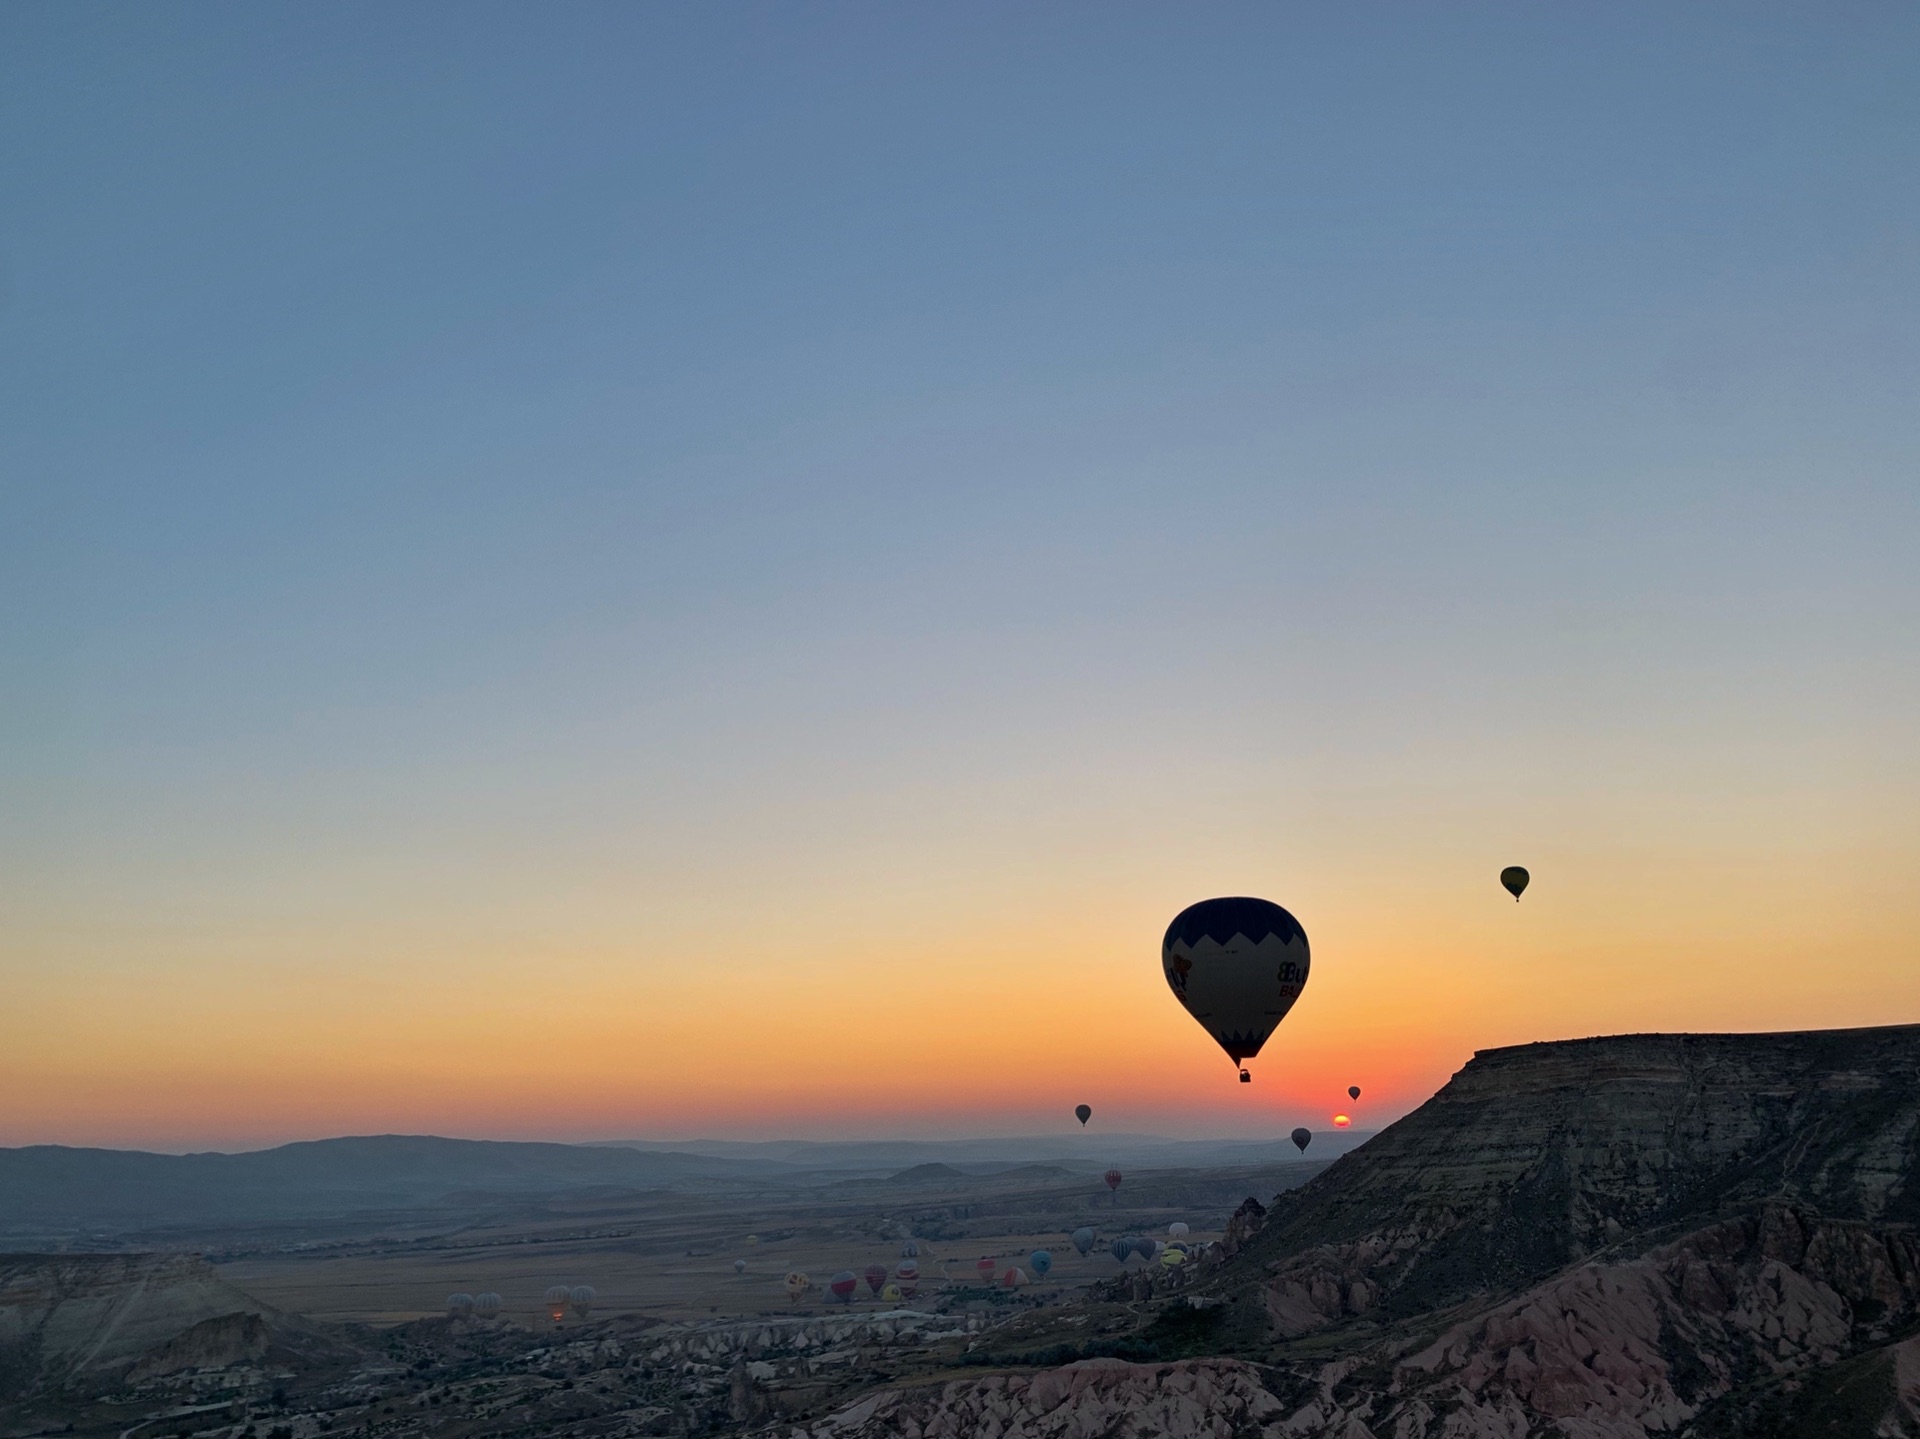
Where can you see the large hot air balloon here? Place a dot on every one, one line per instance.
(1353, 1091)
(1178, 1230)
(1121, 1249)
(459, 1306)
(842, 1286)
(876, 1275)
(1113, 1178)
(1083, 1112)
(1514, 879)
(1083, 1240)
(556, 1301)
(985, 1268)
(1040, 1261)
(486, 1305)
(1301, 1139)
(581, 1297)
(797, 1284)
(1237, 965)
(739, 1266)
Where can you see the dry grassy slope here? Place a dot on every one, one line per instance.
(1539, 1155)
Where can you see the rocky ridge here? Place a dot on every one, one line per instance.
(1706, 1235)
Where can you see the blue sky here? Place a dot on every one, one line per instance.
(456, 458)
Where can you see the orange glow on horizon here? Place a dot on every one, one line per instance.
(991, 1011)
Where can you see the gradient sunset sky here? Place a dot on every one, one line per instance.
(608, 570)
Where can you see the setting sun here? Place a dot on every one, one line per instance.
(1341, 1121)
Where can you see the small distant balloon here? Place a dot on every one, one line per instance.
(556, 1301)
(1014, 1277)
(1301, 1139)
(910, 1250)
(739, 1266)
(1178, 1230)
(1341, 1121)
(985, 1266)
(753, 1239)
(797, 1284)
(581, 1297)
(892, 1294)
(1514, 879)
(1040, 1261)
(876, 1276)
(1146, 1248)
(459, 1306)
(1083, 1112)
(1353, 1091)
(1083, 1239)
(1121, 1249)
(486, 1305)
(1113, 1178)
(909, 1276)
(842, 1286)
(1174, 1257)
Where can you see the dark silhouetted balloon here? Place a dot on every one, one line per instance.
(1040, 1261)
(1301, 1139)
(1083, 1239)
(1514, 879)
(1146, 1248)
(876, 1276)
(1121, 1249)
(1237, 965)
(739, 1266)
(1083, 1112)
(1113, 1179)
(1353, 1091)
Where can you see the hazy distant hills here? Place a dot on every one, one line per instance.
(1083, 1151)
(53, 1191)
(53, 1195)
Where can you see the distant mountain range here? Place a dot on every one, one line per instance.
(1087, 1151)
(54, 1196)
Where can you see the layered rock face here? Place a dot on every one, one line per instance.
(83, 1318)
(1540, 1155)
(1704, 1235)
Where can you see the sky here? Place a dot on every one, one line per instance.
(615, 571)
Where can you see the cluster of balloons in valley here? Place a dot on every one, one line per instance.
(1237, 965)
(559, 1301)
